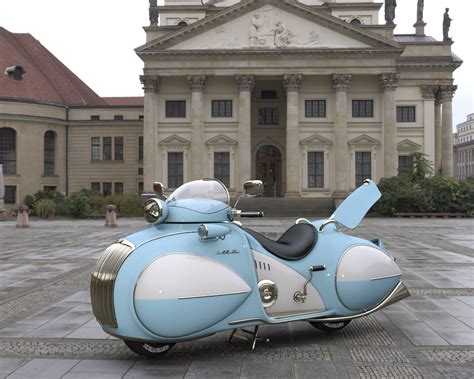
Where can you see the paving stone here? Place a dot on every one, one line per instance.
(44, 368)
(8, 365)
(449, 355)
(256, 369)
(158, 369)
(389, 372)
(317, 370)
(222, 368)
(362, 354)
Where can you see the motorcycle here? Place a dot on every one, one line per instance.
(196, 271)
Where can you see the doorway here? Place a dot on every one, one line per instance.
(268, 170)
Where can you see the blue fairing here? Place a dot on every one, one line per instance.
(197, 210)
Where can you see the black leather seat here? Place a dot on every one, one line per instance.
(294, 244)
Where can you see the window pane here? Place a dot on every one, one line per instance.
(118, 188)
(140, 187)
(362, 108)
(95, 148)
(316, 169)
(268, 94)
(107, 188)
(268, 116)
(406, 114)
(222, 167)
(405, 163)
(8, 150)
(10, 195)
(107, 148)
(221, 108)
(175, 108)
(95, 187)
(118, 148)
(49, 138)
(140, 148)
(175, 170)
(315, 108)
(363, 166)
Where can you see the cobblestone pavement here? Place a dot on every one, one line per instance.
(47, 329)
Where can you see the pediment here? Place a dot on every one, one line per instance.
(221, 140)
(175, 140)
(363, 140)
(316, 139)
(407, 145)
(268, 25)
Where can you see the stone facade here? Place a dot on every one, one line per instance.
(315, 102)
(464, 149)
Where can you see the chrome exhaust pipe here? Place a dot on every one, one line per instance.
(399, 293)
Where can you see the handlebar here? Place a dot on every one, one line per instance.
(251, 214)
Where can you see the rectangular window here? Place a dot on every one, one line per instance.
(221, 108)
(49, 188)
(107, 188)
(118, 154)
(118, 188)
(222, 168)
(268, 116)
(95, 187)
(175, 108)
(315, 108)
(140, 187)
(362, 108)
(95, 148)
(140, 148)
(49, 142)
(405, 163)
(141, 117)
(406, 114)
(363, 166)
(107, 149)
(10, 195)
(175, 170)
(268, 94)
(140, 170)
(316, 169)
(118, 117)
(95, 117)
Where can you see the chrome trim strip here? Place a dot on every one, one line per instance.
(245, 321)
(291, 314)
(386, 277)
(399, 293)
(212, 295)
(327, 222)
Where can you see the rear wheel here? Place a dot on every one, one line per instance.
(149, 349)
(330, 326)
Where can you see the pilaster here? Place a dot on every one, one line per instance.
(341, 84)
(389, 83)
(197, 84)
(429, 95)
(438, 129)
(151, 169)
(447, 94)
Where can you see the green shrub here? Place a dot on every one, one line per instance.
(45, 208)
(96, 204)
(128, 205)
(78, 205)
(30, 202)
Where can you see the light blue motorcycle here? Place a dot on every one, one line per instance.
(195, 271)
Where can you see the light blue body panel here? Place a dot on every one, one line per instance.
(197, 210)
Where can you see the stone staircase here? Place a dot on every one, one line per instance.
(288, 207)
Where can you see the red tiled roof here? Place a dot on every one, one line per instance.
(124, 101)
(46, 78)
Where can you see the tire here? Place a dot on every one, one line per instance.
(149, 349)
(332, 326)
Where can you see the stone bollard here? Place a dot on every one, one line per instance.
(110, 216)
(22, 217)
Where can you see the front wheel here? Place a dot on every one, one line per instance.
(149, 349)
(330, 326)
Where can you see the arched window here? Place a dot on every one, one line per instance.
(49, 152)
(182, 23)
(8, 150)
(356, 22)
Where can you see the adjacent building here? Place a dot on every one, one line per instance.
(464, 149)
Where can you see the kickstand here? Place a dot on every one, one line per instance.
(253, 334)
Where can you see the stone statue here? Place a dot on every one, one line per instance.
(255, 28)
(390, 6)
(419, 10)
(283, 36)
(446, 25)
(153, 12)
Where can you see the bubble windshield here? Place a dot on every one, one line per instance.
(201, 189)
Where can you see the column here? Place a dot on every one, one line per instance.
(447, 93)
(341, 84)
(246, 84)
(438, 129)
(429, 95)
(197, 85)
(389, 84)
(292, 84)
(151, 168)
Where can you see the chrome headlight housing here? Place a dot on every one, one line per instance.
(155, 210)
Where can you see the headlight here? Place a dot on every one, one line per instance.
(154, 210)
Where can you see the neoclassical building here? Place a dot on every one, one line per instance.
(464, 148)
(312, 97)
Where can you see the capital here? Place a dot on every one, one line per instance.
(151, 83)
(341, 82)
(292, 82)
(447, 92)
(197, 83)
(429, 92)
(389, 82)
(245, 82)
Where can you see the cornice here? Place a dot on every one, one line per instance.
(34, 119)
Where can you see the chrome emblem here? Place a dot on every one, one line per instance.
(268, 292)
